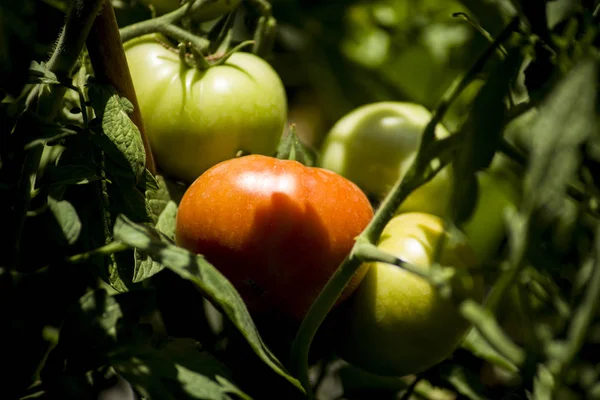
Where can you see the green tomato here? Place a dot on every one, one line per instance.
(195, 119)
(396, 323)
(210, 11)
(375, 144)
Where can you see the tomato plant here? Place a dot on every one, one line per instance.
(276, 228)
(208, 12)
(396, 322)
(195, 118)
(375, 144)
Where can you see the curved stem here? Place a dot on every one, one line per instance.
(419, 173)
(165, 25)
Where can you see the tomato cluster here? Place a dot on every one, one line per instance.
(278, 230)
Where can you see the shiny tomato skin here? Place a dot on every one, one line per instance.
(195, 119)
(275, 228)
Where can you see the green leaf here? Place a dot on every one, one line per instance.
(145, 267)
(167, 219)
(67, 218)
(116, 134)
(205, 277)
(157, 199)
(479, 347)
(543, 384)
(176, 370)
(566, 119)
(464, 381)
(482, 133)
(39, 73)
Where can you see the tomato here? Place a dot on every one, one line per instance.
(375, 144)
(195, 119)
(209, 12)
(396, 323)
(275, 228)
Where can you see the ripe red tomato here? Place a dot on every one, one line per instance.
(275, 228)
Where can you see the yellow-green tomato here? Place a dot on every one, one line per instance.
(195, 119)
(375, 144)
(211, 10)
(397, 323)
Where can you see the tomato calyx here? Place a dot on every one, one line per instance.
(291, 148)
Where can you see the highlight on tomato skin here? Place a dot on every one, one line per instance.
(275, 228)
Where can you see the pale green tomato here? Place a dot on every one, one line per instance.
(396, 323)
(374, 145)
(210, 11)
(195, 119)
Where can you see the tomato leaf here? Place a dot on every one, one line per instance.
(178, 369)
(479, 347)
(205, 277)
(66, 216)
(566, 119)
(116, 134)
(145, 266)
(482, 133)
(39, 73)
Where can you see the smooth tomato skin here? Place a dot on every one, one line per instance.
(396, 323)
(275, 228)
(207, 13)
(375, 144)
(196, 119)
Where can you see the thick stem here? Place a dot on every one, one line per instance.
(110, 66)
(47, 101)
(165, 25)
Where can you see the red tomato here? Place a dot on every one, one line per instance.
(275, 228)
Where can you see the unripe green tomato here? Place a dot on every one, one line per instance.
(375, 144)
(210, 11)
(396, 323)
(195, 119)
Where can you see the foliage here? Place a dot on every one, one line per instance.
(93, 290)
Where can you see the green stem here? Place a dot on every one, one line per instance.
(487, 325)
(367, 252)
(417, 175)
(165, 25)
(582, 319)
(108, 249)
(47, 99)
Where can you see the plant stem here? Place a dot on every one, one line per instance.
(110, 66)
(165, 25)
(418, 174)
(47, 101)
(487, 325)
